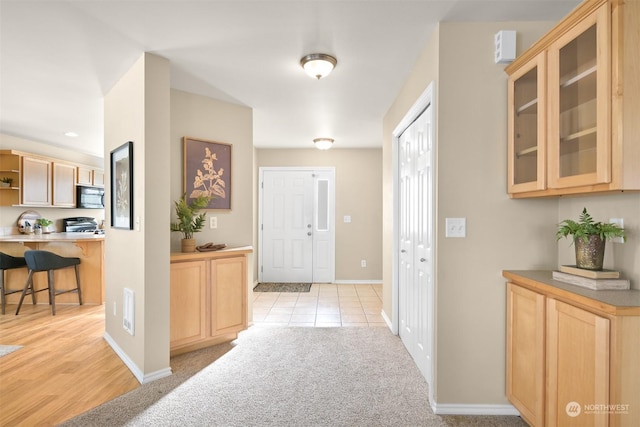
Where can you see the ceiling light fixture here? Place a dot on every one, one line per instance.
(323, 143)
(318, 65)
(71, 134)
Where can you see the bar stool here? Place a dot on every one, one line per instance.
(48, 261)
(8, 262)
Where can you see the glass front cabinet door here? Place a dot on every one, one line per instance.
(527, 127)
(579, 131)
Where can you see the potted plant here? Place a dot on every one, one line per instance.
(589, 238)
(189, 220)
(43, 224)
(6, 181)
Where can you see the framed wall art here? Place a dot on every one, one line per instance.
(122, 186)
(207, 171)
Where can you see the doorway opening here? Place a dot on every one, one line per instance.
(297, 225)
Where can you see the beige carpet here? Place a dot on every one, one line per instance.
(287, 377)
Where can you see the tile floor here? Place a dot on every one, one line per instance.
(326, 305)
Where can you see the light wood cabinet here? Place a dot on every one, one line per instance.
(208, 298)
(573, 98)
(526, 352)
(36, 182)
(64, 185)
(43, 181)
(577, 366)
(90, 176)
(572, 353)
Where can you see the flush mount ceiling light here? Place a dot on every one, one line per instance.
(318, 65)
(71, 134)
(323, 143)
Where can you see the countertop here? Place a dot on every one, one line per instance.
(615, 302)
(51, 237)
(222, 253)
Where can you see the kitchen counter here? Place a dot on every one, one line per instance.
(88, 247)
(51, 237)
(613, 302)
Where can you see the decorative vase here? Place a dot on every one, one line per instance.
(188, 245)
(590, 254)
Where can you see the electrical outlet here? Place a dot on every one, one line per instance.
(213, 222)
(363, 263)
(620, 223)
(115, 307)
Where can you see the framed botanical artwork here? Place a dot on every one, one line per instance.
(122, 186)
(207, 171)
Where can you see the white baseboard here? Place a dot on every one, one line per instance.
(135, 370)
(387, 320)
(469, 409)
(357, 282)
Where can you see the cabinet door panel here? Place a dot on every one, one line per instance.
(64, 187)
(188, 302)
(526, 352)
(228, 296)
(36, 182)
(527, 126)
(579, 103)
(84, 176)
(577, 366)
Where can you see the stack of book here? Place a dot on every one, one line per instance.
(591, 279)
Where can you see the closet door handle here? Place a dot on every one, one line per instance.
(422, 259)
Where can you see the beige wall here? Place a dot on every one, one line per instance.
(205, 118)
(137, 109)
(471, 111)
(9, 215)
(624, 257)
(358, 194)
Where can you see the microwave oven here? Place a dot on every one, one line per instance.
(89, 197)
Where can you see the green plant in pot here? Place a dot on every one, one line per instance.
(42, 224)
(589, 238)
(189, 220)
(6, 181)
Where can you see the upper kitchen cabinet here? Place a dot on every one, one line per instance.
(527, 126)
(36, 181)
(87, 175)
(574, 99)
(64, 185)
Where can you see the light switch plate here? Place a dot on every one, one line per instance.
(213, 222)
(455, 227)
(620, 223)
(347, 219)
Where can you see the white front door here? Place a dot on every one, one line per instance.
(297, 225)
(416, 239)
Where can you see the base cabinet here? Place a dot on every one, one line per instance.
(571, 360)
(208, 298)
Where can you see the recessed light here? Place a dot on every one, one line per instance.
(71, 134)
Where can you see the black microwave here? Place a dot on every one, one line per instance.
(89, 197)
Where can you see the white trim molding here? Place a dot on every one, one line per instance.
(357, 282)
(135, 370)
(472, 409)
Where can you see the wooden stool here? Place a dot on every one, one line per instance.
(8, 262)
(49, 262)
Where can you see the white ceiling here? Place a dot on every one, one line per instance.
(59, 58)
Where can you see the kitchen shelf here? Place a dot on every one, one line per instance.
(526, 151)
(530, 107)
(577, 135)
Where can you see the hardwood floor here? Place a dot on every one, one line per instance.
(64, 369)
